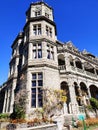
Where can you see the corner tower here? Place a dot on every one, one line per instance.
(39, 59)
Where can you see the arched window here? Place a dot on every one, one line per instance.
(64, 86)
(94, 91)
(84, 89)
(78, 63)
(61, 59)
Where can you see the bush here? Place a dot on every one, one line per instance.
(94, 103)
(4, 116)
(19, 105)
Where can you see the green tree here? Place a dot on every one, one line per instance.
(94, 104)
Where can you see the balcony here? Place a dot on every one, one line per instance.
(62, 69)
(91, 74)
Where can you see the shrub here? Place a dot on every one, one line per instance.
(94, 103)
(19, 105)
(4, 115)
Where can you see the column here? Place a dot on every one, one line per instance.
(4, 105)
(73, 103)
(44, 50)
(67, 62)
(12, 95)
(89, 93)
(28, 89)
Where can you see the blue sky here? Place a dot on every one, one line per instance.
(76, 20)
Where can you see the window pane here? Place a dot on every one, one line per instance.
(40, 97)
(34, 91)
(33, 103)
(40, 83)
(40, 102)
(39, 46)
(34, 30)
(48, 54)
(39, 29)
(40, 75)
(39, 53)
(34, 47)
(34, 54)
(33, 76)
(33, 83)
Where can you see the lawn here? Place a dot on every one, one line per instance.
(92, 127)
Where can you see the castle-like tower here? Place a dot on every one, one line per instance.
(39, 61)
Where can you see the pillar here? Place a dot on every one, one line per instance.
(67, 62)
(73, 104)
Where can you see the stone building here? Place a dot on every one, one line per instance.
(39, 60)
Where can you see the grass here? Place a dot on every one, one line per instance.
(92, 127)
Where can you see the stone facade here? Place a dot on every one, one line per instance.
(39, 60)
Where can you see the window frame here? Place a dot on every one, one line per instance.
(37, 29)
(38, 96)
(37, 51)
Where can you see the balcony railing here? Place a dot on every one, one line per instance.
(91, 74)
(80, 70)
(62, 68)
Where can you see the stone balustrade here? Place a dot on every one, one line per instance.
(62, 68)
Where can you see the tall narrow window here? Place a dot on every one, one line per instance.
(36, 90)
(34, 30)
(48, 31)
(39, 29)
(50, 52)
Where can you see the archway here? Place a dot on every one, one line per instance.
(94, 91)
(61, 60)
(84, 94)
(77, 92)
(78, 63)
(64, 86)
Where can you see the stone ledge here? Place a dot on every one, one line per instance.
(43, 127)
